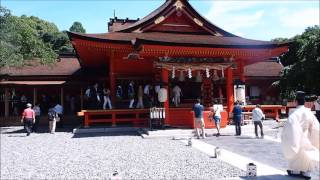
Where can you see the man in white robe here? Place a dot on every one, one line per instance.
(300, 140)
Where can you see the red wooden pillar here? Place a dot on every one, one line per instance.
(229, 84)
(112, 79)
(242, 77)
(165, 80)
(113, 119)
(86, 120)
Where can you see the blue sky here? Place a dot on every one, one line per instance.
(254, 19)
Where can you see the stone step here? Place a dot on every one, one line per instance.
(104, 130)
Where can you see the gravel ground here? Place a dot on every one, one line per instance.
(96, 156)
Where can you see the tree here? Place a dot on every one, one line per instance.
(25, 38)
(77, 27)
(302, 64)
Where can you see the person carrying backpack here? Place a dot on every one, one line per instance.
(52, 115)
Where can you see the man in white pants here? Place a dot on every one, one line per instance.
(300, 140)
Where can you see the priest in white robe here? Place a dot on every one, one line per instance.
(300, 140)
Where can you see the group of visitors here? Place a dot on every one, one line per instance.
(215, 115)
(31, 117)
(98, 98)
(140, 96)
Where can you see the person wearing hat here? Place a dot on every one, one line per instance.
(28, 118)
(300, 140)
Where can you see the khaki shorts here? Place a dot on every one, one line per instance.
(200, 120)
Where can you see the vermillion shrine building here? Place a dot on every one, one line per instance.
(173, 45)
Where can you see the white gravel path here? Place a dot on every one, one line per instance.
(63, 156)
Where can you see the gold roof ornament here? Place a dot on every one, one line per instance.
(159, 19)
(197, 21)
(178, 4)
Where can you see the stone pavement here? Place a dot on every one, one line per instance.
(266, 151)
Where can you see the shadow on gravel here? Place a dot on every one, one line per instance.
(42, 129)
(17, 136)
(272, 177)
(245, 137)
(88, 135)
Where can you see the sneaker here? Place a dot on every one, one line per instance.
(28, 134)
(306, 175)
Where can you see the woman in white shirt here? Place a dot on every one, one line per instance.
(216, 109)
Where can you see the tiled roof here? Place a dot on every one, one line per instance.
(183, 39)
(263, 69)
(63, 67)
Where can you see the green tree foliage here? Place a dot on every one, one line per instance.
(25, 38)
(302, 64)
(77, 27)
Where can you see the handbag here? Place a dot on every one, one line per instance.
(57, 118)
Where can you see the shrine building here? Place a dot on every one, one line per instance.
(173, 45)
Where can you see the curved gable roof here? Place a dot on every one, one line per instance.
(166, 8)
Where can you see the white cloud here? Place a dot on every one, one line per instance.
(264, 19)
(234, 15)
(299, 19)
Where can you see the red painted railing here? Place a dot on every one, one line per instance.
(138, 117)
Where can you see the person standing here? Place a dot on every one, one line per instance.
(87, 98)
(59, 110)
(146, 93)
(131, 94)
(317, 108)
(199, 122)
(28, 118)
(37, 112)
(106, 98)
(156, 90)
(96, 93)
(52, 118)
(119, 93)
(257, 117)
(216, 109)
(176, 95)
(140, 97)
(300, 140)
(237, 113)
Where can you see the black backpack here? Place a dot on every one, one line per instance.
(51, 114)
